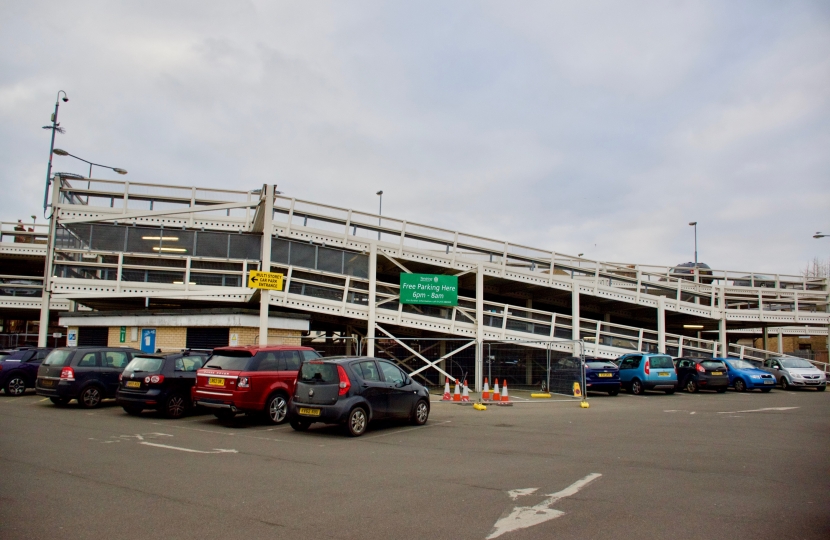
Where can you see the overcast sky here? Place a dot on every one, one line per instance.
(600, 128)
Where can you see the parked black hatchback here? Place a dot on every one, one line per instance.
(160, 382)
(695, 374)
(354, 391)
(88, 374)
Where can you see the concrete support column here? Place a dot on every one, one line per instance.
(766, 338)
(724, 345)
(529, 354)
(46, 299)
(661, 325)
(780, 342)
(479, 371)
(442, 350)
(265, 264)
(575, 313)
(373, 281)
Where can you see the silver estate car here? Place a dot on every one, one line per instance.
(796, 373)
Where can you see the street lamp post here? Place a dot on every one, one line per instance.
(54, 127)
(60, 152)
(694, 224)
(380, 209)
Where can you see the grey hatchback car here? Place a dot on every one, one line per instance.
(353, 391)
(795, 373)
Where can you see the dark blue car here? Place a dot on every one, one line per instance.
(600, 375)
(18, 370)
(745, 375)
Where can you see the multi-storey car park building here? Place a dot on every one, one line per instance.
(165, 251)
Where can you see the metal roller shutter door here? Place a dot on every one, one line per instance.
(93, 336)
(207, 338)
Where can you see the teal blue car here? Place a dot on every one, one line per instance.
(647, 371)
(745, 376)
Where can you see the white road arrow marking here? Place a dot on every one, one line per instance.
(522, 517)
(516, 493)
(761, 410)
(180, 449)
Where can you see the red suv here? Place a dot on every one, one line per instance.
(250, 379)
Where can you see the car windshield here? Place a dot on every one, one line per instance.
(741, 364)
(229, 362)
(795, 363)
(661, 362)
(318, 372)
(144, 364)
(712, 364)
(600, 365)
(58, 357)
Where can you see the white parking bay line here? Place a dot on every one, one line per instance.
(404, 430)
(180, 449)
(760, 410)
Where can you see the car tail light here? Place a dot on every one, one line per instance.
(120, 376)
(154, 379)
(345, 383)
(700, 368)
(647, 368)
(243, 382)
(68, 374)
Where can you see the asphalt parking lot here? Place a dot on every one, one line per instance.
(684, 466)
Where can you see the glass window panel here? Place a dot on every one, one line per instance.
(330, 260)
(209, 244)
(279, 250)
(303, 255)
(245, 246)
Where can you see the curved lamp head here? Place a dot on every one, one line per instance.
(379, 193)
(119, 171)
(693, 223)
(60, 152)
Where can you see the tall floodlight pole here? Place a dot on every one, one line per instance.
(380, 209)
(54, 127)
(694, 224)
(60, 152)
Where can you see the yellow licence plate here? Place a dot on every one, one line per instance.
(214, 381)
(310, 412)
(606, 374)
(716, 373)
(133, 384)
(663, 374)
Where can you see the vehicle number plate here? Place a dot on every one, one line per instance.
(133, 384)
(215, 381)
(768, 381)
(606, 374)
(715, 373)
(47, 382)
(663, 374)
(310, 412)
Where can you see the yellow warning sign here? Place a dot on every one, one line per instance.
(265, 280)
(577, 390)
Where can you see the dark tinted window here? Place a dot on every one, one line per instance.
(41, 354)
(632, 362)
(292, 360)
(391, 373)
(600, 365)
(269, 361)
(89, 359)
(189, 363)
(661, 362)
(713, 364)
(368, 370)
(21, 355)
(229, 361)
(313, 372)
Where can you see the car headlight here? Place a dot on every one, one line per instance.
(755, 376)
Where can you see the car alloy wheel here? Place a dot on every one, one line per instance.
(90, 398)
(785, 384)
(16, 386)
(421, 413)
(636, 387)
(691, 386)
(357, 422)
(277, 409)
(175, 406)
(740, 385)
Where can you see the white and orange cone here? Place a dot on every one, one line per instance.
(465, 396)
(456, 395)
(485, 393)
(496, 395)
(505, 399)
(447, 395)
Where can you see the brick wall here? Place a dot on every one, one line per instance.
(791, 343)
(171, 339)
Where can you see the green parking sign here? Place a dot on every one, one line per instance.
(429, 289)
(122, 337)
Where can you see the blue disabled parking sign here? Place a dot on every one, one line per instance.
(148, 340)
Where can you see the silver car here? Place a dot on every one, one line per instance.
(795, 372)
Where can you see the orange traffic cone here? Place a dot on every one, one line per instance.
(456, 395)
(447, 395)
(465, 397)
(496, 395)
(485, 393)
(505, 399)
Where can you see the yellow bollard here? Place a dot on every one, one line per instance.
(479, 407)
(584, 404)
(545, 395)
